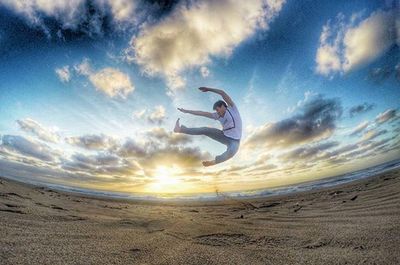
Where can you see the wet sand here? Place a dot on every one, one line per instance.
(354, 223)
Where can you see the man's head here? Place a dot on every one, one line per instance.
(220, 107)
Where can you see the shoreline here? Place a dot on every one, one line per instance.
(206, 197)
(193, 202)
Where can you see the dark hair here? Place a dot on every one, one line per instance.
(219, 103)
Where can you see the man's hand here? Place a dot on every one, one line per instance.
(204, 89)
(183, 110)
(224, 96)
(208, 163)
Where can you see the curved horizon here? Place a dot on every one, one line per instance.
(89, 96)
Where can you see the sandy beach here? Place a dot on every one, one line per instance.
(354, 223)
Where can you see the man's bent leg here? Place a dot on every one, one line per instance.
(213, 133)
(232, 149)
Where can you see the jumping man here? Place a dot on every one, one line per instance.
(227, 114)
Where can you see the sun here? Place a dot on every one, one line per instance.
(165, 180)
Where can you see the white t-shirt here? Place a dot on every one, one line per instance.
(231, 122)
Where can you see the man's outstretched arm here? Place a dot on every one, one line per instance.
(223, 94)
(198, 113)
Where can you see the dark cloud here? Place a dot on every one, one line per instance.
(316, 120)
(93, 142)
(169, 138)
(101, 163)
(67, 20)
(99, 159)
(367, 148)
(43, 175)
(362, 108)
(308, 151)
(183, 156)
(350, 152)
(26, 147)
(130, 148)
(70, 19)
(385, 116)
(379, 75)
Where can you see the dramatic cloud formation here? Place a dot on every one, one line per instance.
(345, 46)
(362, 108)
(159, 149)
(120, 160)
(316, 120)
(191, 35)
(34, 127)
(110, 81)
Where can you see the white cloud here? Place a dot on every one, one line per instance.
(63, 73)
(112, 82)
(370, 39)
(84, 67)
(122, 10)
(109, 80)
(34, 127)
(204, 71)
(346, 46)
(327, 54)
(139, 114)
(360, 127)
(158, 114)
(191, 35)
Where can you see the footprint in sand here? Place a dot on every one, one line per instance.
(12, 211)
(223, 239)
(321, 242)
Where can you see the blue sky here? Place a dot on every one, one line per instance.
(89, 91)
